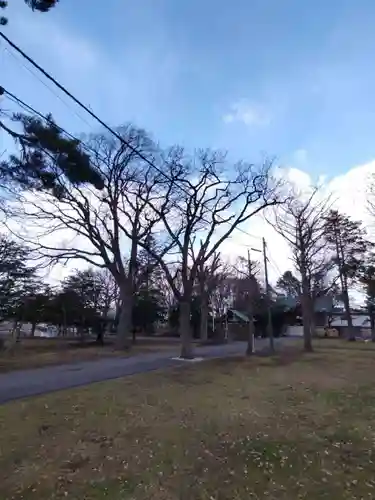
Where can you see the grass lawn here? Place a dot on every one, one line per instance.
(38, 352)
(295, 426)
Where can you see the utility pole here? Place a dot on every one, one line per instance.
(269, 315)
(250, 341)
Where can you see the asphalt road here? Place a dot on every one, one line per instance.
(20, 384)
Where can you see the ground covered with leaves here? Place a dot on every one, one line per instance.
(294, 426)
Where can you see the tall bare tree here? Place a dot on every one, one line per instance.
(248, 291)
(367, 280)
(371, 195)
(209, 197)
(301, 222)
(109, 291)
(75, 221)
(209, 276)
(223, 296)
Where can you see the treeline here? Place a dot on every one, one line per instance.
(86, 301)
(110, 199)
(139, 212)
(331, 255)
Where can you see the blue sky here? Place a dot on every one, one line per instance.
(288, 78)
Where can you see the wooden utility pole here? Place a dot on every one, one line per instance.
(250, 339)
(268, 298)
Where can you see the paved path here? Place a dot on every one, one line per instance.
(19, 384)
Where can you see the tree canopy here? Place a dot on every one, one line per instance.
(48, 160)
(17, 275)
(36, 5)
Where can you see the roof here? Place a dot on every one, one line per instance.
(239, 315)
(360, 320)
(321, 304)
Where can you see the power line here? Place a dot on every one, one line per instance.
(77, 101)
(30, 109)
(99, 120)
(46, 86)
(274, 265)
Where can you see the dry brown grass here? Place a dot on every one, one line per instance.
(39, 352)
(294, 426)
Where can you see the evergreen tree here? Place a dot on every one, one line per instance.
(149, 274)
(38, 5)
(79, 303)
(347, 239)
(3, 19)
(321, 285)
(48, 160)
(17, 276)
(35, 307)
(87, 285)
(41, 5)
(149, 303)
(148, 309)
(289, 284)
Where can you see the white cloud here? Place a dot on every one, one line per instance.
(350, 191)
(348, 195)
(113, 81)
(248, 113)
(85, 69)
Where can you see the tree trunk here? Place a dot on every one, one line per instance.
(344, 286)
(82, 331)
(100, 337)
(204, 319)
(372, 323)
(33, 328)
(100, 328)
(185, 330)
(312, 321)
(351, 333)
(306, 318)
(125, 318)
(251, 331)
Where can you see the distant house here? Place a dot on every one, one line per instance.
(237, 322)
(361, 325)
(235, 316)
(323, 310)
(359, 321)
(325, 315)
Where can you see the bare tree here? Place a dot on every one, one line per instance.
(109, 291)
(98, 225)
(223, 296)
(248, 289)
(209, 276)
(302, 223)
(371, 195)
(367, 280)
(209, 198)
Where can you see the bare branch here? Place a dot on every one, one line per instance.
(302, 223)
